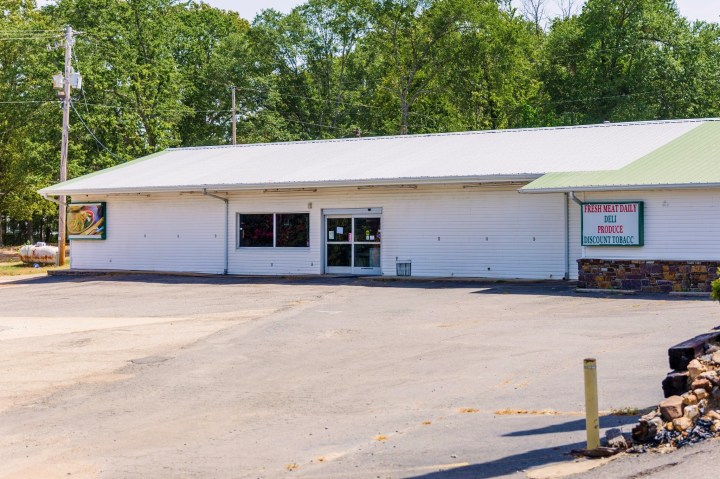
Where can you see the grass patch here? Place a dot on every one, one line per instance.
(18, 268)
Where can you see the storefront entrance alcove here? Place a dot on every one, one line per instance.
(352, 241)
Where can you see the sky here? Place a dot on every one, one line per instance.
(708, 10)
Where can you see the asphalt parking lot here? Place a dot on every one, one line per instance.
(163, 376)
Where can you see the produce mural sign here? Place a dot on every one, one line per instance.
(86, 221)
(612, 224)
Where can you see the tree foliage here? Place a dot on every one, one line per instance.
(159, 73)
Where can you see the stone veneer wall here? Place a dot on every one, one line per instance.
(648, 276)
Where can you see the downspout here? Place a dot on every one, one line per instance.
(574, 198)
(227, 224)
(566, 211)
(569, 195)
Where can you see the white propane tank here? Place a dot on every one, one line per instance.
(38, 253)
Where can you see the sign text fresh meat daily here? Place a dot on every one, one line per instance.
(612, 224)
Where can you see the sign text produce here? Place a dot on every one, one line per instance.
(612, 224)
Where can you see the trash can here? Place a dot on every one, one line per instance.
(403, 267)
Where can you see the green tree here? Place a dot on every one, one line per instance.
(492, 81)
(629, 60)
(158, 73)
(27, 112)
(407, 48)
(209, 51)
(132, 97)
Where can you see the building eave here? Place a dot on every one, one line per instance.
(582, 189)
(455, 180)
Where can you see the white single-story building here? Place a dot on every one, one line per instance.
(581, 202)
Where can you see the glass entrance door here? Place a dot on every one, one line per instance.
(338, 235)
(352, 244)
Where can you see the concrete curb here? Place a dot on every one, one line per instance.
(606, 291)
(442, 279)
(112, 272)
(691, 294)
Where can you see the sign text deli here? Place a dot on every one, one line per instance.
(612, 224)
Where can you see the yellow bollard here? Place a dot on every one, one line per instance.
(592, 423)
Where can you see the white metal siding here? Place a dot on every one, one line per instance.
(477, 232)
(679, 225)
(274, 261)
(474, 232)
(157, 233)
(445, 231)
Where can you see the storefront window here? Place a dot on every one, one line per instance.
(256, 230)
(292, 230)
(367, 230)
(282, 230)
(367, 255)
(339, 229)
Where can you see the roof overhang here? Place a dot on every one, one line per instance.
(491, 180)
(583, 189)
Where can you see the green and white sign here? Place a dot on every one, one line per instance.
(612, 224)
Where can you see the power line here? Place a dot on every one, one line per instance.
(346, 104)
(72, 105)
(29, 37)
(28, 31)
(82, 90)
(168, 110)
(336, 102)
(191, 111)
(22, 39)
(20, 102)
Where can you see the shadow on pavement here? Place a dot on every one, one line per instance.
(480, 286)
(577, 425)
(531, 459)
(506, 465)
(553, 288)
(321, 280)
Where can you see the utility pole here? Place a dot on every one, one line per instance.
(62, 229)
(234, 119)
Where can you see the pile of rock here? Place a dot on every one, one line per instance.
(692, 412)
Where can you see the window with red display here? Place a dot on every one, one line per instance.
(281, 230)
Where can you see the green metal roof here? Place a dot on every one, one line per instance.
(689, 161)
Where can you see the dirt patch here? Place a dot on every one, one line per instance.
(9, 255)
(62, 352)
(543, 412)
